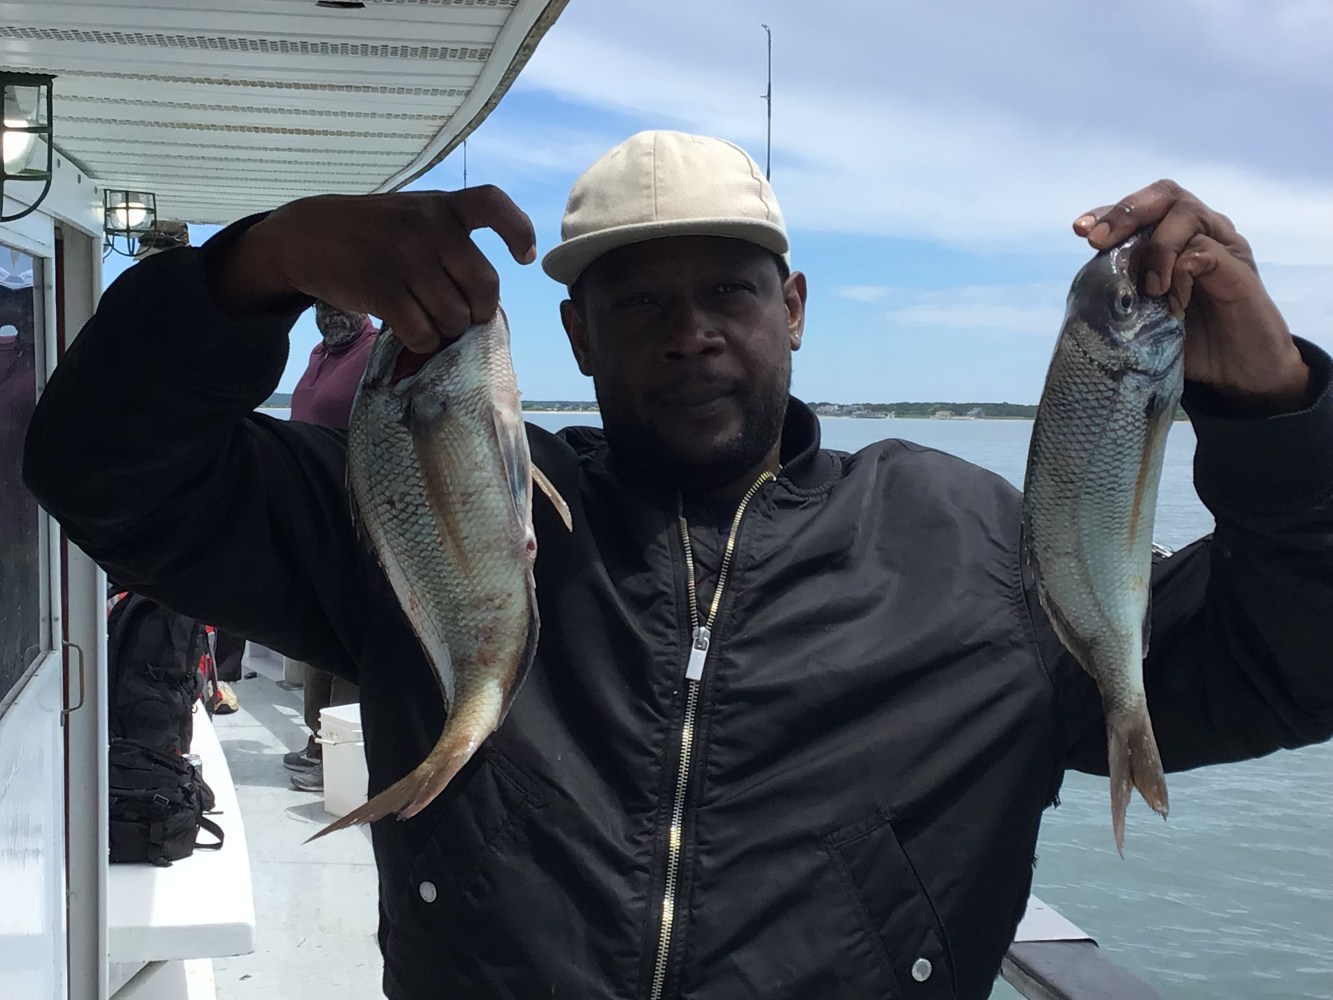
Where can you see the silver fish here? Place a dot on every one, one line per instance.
(441, 478)
(1090, 496)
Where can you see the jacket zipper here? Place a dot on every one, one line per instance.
(701, 634)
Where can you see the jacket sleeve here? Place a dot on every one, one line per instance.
(1239, 658)
(144, 447)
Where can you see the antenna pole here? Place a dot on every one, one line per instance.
(768, 99)
(464, 163)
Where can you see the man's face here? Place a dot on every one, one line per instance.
(688, 341)
(337, 327)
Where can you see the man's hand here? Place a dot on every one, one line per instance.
(407, 258)
(1236, 339)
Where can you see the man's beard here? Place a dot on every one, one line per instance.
(765, 413)
(340, 331)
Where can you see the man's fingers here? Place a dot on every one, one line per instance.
(487, 207)
(1178, 217)
(1105, 227)
(408, 321)
(1109, 225)
(1217, 268)
(444, 303)
(471, 279)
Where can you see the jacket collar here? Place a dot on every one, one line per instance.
(804, 464)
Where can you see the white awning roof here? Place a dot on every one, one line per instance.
(223, 109)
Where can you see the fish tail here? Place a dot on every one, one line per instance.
(1134, 763)
(408, 796)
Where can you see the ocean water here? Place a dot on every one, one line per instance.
(1232, 898)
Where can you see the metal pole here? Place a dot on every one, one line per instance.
(464, 163)
(768, 98)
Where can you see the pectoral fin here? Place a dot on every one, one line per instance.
(552, 494)
(514, 460)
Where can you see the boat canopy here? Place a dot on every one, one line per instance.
(221, 110)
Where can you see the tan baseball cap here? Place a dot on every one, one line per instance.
(657, 184)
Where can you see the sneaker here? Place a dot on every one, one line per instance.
(224, 699)
(309, 781)
(304, 759)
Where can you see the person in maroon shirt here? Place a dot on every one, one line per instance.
(324, 396)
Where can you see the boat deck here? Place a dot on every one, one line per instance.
(315, 904)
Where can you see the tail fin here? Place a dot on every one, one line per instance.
(410, 795)
(1134, 762)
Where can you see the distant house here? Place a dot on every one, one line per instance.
(976, 413)
(942, 415)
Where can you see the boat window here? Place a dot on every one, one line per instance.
(23, 604)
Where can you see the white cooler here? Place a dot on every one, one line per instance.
(345, 776)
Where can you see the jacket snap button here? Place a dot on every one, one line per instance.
(921, 969)
(427, 890)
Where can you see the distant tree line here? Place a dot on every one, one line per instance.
(998, 411)
(917, 409)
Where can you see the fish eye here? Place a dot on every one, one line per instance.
(1124, 301)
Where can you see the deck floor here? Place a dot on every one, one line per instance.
(315, 904)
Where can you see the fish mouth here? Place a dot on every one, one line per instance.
(1127, 256)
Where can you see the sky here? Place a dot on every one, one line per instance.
(929, 158)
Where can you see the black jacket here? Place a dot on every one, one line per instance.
(883, 717)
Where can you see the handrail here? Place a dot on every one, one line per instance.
(1051, 959)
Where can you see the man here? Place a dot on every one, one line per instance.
(323, 395)
(841, 796)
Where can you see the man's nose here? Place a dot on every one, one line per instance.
(690, 332)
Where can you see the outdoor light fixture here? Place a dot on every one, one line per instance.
(128, 215)
(25, 139)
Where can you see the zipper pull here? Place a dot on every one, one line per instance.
(694, 670)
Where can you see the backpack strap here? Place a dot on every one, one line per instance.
(207, 824)
(157, 833)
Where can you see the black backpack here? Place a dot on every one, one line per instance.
(154, 658)
(158, 801)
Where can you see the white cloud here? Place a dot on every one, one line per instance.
(863, 293)
(1304, 294)
(1024, 309)
(971, 125)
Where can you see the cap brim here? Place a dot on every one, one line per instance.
(567, 261)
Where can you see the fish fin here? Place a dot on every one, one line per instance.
(408, 796)
(1157, 404)
(515, 461)
(552, 494)
(440, 477)
(1134, 762)
(1063, 628)
(1147, 622)
(1158, 425)
(354, 508)
(527, 656)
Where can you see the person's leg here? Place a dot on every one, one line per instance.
(231, 648)
(343, 692)
(318, 688)
(321, 691)
(314, 696)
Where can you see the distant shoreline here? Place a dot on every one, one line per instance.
(869, 411)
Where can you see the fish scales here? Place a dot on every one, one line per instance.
(1090, 496)
(440, 476)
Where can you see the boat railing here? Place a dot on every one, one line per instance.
(1052, 959)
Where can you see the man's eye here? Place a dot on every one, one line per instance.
(636, 301)
(729, 287)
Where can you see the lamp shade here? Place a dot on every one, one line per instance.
(25, 141)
